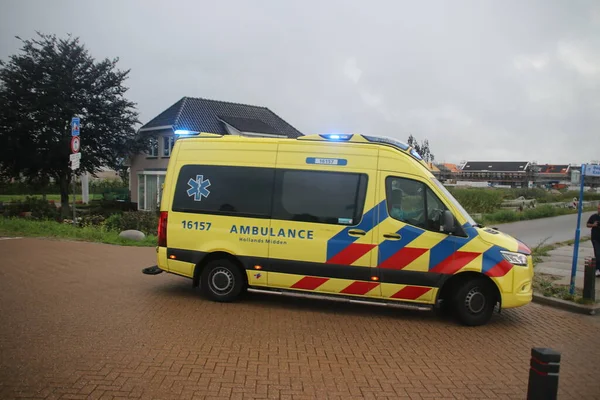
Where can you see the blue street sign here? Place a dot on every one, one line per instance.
(592, 170)
(75, 126)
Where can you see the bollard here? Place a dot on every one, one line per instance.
(589, 280)
(543, 374)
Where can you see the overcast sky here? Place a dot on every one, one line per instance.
(494, 80)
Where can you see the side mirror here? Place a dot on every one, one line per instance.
(448, 221)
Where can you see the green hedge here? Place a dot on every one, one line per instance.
(95, 186)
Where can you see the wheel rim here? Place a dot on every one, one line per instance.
(475, 301)
(221, 281)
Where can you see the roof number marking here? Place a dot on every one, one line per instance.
(326, 161)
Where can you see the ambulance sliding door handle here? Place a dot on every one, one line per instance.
(392, 236)
(356, 232)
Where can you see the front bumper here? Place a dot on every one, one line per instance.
(522, 293)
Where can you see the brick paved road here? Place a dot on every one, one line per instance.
(80, 321)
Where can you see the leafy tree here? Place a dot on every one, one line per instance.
(421, 148)
(41, 89)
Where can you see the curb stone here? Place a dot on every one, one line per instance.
(589, 309)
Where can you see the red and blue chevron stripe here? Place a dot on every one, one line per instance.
(445, 257)
(342, 249)
(494, 263)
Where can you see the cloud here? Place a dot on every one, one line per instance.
(351, 70)
(578, 57)
(537, 62)
(518, 80)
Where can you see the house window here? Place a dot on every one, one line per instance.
(153, 148)
(150, 190)
(141, 191)
(168, 143)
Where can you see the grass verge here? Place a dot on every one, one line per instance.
(52, 229)
(546, 283)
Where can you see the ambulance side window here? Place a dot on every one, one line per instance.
(224, 190)
(406, 201)
(319, 196)
(435, 211)
(414, 203)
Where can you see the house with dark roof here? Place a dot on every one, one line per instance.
(191, 115)
(513, 173)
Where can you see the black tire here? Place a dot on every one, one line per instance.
(222, 281)
(474, 302)
(444, 310)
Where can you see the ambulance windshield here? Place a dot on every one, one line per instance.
(454, 202)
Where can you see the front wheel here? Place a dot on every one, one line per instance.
(474, 302)
(221, 281)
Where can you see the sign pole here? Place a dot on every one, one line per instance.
(577, 232)
(74, 158)
(74, 194)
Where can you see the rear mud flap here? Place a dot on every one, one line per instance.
(153, 270)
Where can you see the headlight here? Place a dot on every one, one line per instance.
(515, 258)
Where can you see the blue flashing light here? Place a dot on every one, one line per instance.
(183, 132)
(416, 155)
(336, 136)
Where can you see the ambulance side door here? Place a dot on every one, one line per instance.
(322, 222)
(414, 252)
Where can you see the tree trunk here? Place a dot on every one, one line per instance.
(64, 195)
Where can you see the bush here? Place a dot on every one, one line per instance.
(92, 220)
(502, 216)
(542, 212)
(39, 209)
(113, 223)
(143, 221)
(96, 186)
(540, 195)
(569, 195)
(476, 200)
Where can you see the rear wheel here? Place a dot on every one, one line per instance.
(221, 280)
(474, 302)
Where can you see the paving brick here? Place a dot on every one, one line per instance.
(80, 320)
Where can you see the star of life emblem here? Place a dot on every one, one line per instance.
(198, 188)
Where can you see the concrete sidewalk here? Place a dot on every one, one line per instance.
(559, 262)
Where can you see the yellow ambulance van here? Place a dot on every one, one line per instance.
(345, 217)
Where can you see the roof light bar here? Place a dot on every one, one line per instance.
(185, 132)
(387, 140)
(339, 137)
